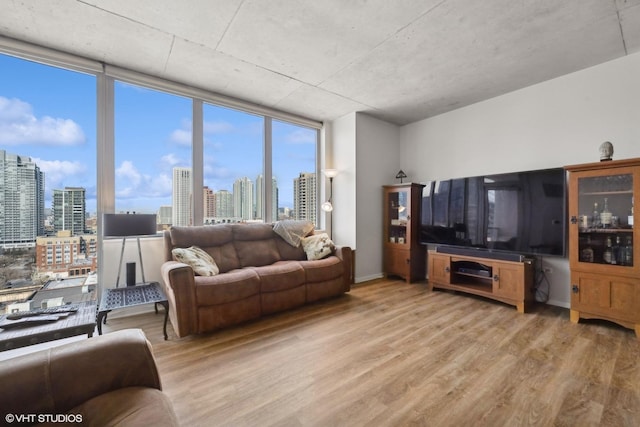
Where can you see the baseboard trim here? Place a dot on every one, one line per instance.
(369, 278)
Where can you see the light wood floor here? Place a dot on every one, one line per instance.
(391, 354)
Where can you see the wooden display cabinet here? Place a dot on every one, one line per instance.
(510, 282)
(403, 255)
(603, 242)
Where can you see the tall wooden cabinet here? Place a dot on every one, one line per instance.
(604, 242)
(403, 255)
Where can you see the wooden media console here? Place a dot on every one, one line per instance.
(510, 282)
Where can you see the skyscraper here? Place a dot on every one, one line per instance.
(181, 196)
(259, 213)
(243, 198)
(224, 204)
(21, 201)
(304, 197)
(209, 202)
(260, 203)
(69, 210)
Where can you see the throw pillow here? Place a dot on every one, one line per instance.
(318, 246)
(201, 262)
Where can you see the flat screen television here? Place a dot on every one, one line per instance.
(521, 212)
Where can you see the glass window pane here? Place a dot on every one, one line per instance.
(153, 154)
(47, 176)
(233, 172)
(294, 172)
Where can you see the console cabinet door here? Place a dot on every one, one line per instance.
(608, 296)
(439, 268)
(507, 281)
(398, 262)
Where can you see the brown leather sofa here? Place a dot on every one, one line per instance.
(260, 274)
(110, 379)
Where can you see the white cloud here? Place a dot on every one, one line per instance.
(301, 136)
(132, 184)
(170, 160)
(181, 137)
(19, 125)
(57, 172)
(217, 127)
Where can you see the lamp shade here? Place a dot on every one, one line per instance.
(330, 173)
(127, 225)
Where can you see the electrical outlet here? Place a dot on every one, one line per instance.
(547, 270)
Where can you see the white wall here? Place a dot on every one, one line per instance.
(343, 140)
(366, 156)
(378, 162)
(552, 124)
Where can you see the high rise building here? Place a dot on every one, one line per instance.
(259, 213)
(224, 204)
(304, 197)
(181, 196)
(260, 202)
(69, 210)
(243, 198)
(209, 202)
(21, 201)
(164, 215)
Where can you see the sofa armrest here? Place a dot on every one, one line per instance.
(346, 255)
(180, 287)
(56, 380)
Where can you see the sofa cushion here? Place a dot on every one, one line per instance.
(318, 246)
(323, 269)
(216, 240)
(131, 406)
(280, 276)
(203, 236)
(225, 255)
(257, 253)
(201, 262)
(255, 244)
(231, 286)
(288, 252)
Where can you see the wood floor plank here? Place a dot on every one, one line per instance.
(391, 353)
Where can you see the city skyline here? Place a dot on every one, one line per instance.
(55, 125)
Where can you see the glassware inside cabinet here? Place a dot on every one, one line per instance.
(605, 205)
(397, 205)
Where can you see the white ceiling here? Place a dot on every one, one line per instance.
(399, 60)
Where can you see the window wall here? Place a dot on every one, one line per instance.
(233, 165)
(48, 192)
(153, 153)
(103, 139)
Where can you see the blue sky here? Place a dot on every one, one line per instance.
(49, 114)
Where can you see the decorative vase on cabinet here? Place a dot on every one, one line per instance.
(403, 255)
(603, 242)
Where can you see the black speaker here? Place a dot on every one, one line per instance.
(131, 274)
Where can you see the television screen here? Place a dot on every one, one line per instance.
(522, 212)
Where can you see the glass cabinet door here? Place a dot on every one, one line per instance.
(605, 219)
(398, 216)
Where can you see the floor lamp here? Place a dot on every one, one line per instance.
(328, 205)
(125, 226)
